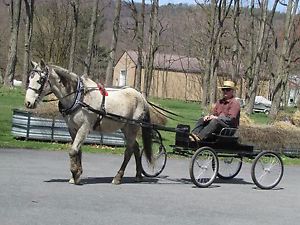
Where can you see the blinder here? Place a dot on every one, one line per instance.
(42, 81)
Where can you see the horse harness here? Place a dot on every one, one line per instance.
(43, 81)
(78, 102)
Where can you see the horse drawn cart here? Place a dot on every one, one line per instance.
(221, 155)
(85, 105)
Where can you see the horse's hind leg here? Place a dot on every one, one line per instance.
(130, 133)
(137, 155)
(127, 155)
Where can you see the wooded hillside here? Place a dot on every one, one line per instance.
(254, 39)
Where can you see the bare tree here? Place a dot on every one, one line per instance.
(284, 62)
(75, 6)
(29, 7)
(53, 32)
(94, 19)
(217, 13)
(15, 11)
(152, 48)
(139, 20)
(114, 41)
(257, 47)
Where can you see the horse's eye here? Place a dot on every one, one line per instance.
(41, 80)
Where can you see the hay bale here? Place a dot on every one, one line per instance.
(283, 116)
(245, 119)
(47, 109)
(296, 118)
(270, 137)
(285, 125)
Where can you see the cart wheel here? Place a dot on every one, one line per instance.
(204, 167)
(267, 170)
(229, 166)
(159, 157)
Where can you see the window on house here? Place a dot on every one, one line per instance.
(122, 78)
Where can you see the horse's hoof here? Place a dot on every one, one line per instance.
(71, 181)
(116, 181)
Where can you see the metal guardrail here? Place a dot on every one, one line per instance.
(29, 127)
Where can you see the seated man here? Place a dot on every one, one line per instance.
(226, 113)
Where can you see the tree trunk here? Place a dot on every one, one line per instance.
(29, 6)
(114, 41)
(236, 57)
(75, 6)
(153, 47)
(94, 19)
(15, 9)
(257, 49)
(284, 58)
(140, 39)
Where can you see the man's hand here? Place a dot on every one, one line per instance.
(209, 117)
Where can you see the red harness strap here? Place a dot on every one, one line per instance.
(102, 90)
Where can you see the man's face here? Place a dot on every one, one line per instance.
(227, 93)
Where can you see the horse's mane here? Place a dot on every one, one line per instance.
(64, 73)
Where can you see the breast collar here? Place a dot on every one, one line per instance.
(76, 102)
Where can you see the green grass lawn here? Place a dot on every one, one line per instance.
(189, 112)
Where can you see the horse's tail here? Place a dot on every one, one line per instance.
(147, 135)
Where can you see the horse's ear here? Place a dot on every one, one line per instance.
(33, 64)
(42, 64)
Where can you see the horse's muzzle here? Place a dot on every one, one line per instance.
(29, 105)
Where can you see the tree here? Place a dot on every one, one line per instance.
(15, 11)
(257, 48)
(29, 8)
(139, 20)
(284, 62)
(53, 32)
(152, 47)
(114, 41)
(94, 19)
(75, 6)
(217, 12)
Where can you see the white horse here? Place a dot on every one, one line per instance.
(86, 106)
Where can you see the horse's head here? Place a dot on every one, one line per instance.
(38, 85)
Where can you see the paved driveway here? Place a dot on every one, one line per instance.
(34, 190)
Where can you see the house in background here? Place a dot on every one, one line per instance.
(174, 76)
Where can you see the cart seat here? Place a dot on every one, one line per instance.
(227, 134)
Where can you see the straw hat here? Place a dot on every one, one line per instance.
(228, 84)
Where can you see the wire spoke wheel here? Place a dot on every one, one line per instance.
(159, 159)
(267, 170)
(204, 167)
(229, 166)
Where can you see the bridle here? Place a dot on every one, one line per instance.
(43, 81)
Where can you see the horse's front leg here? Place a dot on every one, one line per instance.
(76, 154)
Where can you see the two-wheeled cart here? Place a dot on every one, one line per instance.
(221, 156)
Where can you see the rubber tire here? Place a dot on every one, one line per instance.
(255, 164)
(154, 170)
(236, 171)
(214, 166)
